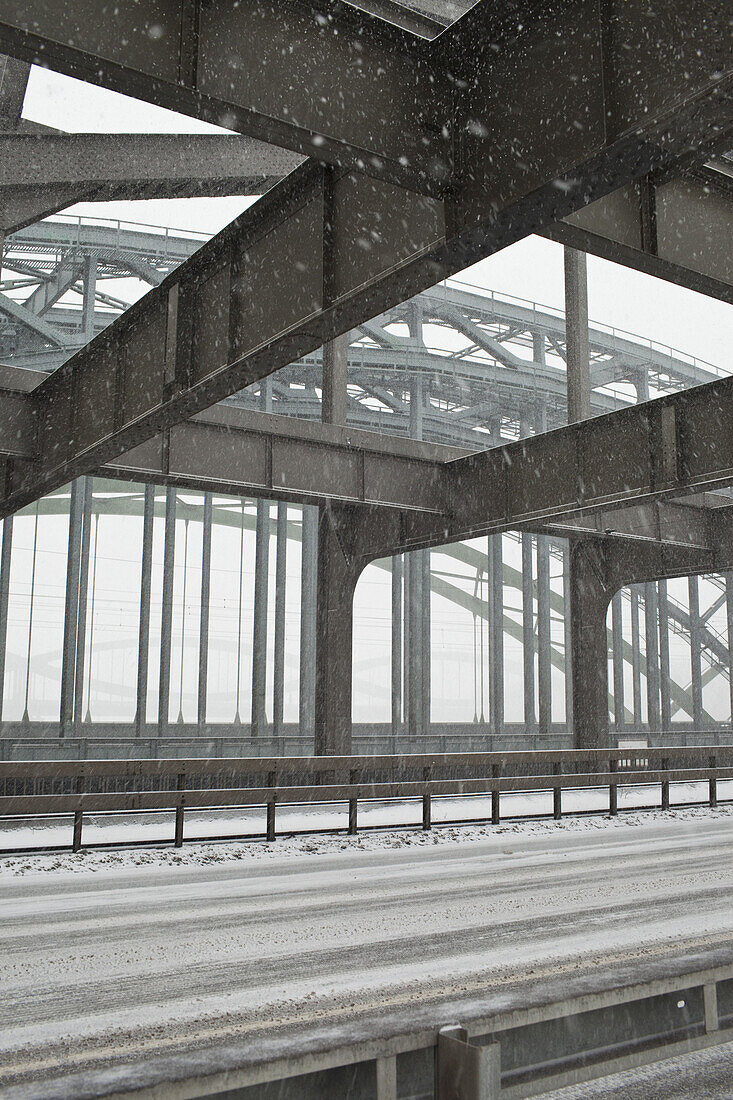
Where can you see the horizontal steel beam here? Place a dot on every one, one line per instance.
(677, 444)
(679, 230)
(231, 450)
(511, 763)
(327, 249)
(66, 168)
(335, 82)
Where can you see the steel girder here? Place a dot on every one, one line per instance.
(69, 168)
(286, 277)
(354, 89)
(232, 450)
(336, 81)
(677, 229)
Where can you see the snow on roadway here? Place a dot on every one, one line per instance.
(163, 950)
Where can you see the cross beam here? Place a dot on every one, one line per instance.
(66, 168)
(677, 229)
(335, 82)
(328, 248)
(562, 483)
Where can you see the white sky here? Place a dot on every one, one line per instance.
(531, 269)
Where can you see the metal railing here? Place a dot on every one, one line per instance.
(76, 788)
(517, 1046)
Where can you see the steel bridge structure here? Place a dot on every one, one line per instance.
(392, 147)
(419, 371)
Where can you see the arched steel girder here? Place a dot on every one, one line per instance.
(504, 328)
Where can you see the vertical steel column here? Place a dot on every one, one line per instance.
(414, 635)
(576, 335)
(567, 637)
(617, 631)
(729, 623)
(589, 606)
(729, 617)
(143, 644)
(26, 715)
(338, 572)
(425, 643)
(259, 626)
(5, 556)
(308, 593)
(544, 643)
(397, 573)
(695, 651)
(281, 576)
(495, 575)
(664, 678)
(89, 297)
(334, 391)
(577, 354)
(166, 611)
(71, 611)
(240, 585)
(81, 632)
(204, 611)
(635, 656)
(413, 647)
(539, 356)
(651, 623)
(528, 637)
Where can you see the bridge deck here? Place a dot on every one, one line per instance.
(157, 964)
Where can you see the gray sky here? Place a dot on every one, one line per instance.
(531, 269)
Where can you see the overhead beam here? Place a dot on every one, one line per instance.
(232, 450)
(334, 82)
(677, 444)
(68, 168)
(286, 276)
(679, 230)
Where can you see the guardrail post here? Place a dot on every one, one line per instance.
(465, 1072)
(78, 820)
(710, 1003)
(78, 817)
(178, 837)
(426, 806)
(271, 819)
(556, 796)
(712, 785)
(387, 1078)
(613, 790)
(665, 786)
(495, 796)
(353, 803)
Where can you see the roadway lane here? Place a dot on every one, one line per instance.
(105, 968)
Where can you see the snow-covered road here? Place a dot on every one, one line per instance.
(109, 959)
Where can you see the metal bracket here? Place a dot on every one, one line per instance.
(465, 1072)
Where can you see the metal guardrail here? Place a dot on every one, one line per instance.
(518, 1051)
(115, 786)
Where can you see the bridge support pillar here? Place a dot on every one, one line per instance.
(589, 597)
(338, 571)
